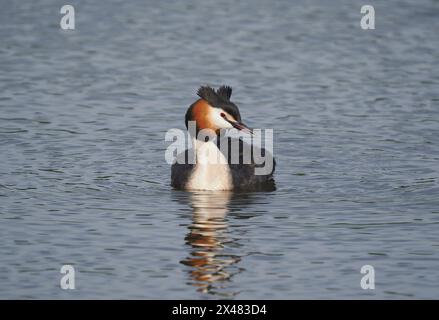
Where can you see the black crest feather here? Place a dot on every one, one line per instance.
(207, 93)
(220, 99)
(225, 92)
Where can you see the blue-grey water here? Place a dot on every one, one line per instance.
(83, 176)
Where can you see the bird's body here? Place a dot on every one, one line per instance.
(221, 162)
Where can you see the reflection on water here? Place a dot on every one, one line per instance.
(214, 238)
(207, 236)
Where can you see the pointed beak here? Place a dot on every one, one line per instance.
(238, 125)
(242, 127)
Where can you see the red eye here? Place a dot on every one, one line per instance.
(223, 115)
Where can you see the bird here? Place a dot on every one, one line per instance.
(221, 162)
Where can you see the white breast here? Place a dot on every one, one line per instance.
(211, 170)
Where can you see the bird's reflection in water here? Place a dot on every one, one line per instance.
(210, 241)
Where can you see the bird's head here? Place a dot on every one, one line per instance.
(215, 111)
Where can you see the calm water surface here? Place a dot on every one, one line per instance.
(83, 178)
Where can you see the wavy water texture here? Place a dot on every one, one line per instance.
(83, 177)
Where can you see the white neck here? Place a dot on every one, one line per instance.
(207, 153)
(211, 171)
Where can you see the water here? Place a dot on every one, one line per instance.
(83, 179)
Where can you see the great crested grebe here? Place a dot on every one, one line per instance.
(217, 167)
